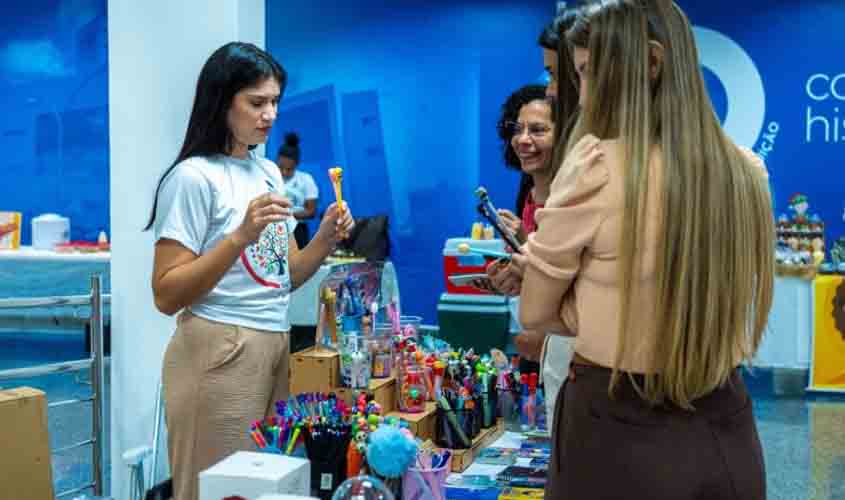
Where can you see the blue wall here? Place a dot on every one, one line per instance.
(406, 98)
(788, 43)
(54, 124)
(413, 95)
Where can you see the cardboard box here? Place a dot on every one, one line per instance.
(25, 465)
(421, 424)
(250, 475)
(383, 389)
(314, 370)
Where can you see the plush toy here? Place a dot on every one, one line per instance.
(390, 451)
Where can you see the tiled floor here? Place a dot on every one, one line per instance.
(803, 438)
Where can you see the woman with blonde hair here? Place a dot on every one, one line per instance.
(664, 230)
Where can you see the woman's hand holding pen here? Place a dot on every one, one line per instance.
(336, 224)
(506, 276)
(261, 211)
(513, 223)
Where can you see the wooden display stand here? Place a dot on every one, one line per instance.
(316, 369)
(421, 424)
(462, 459)
(383, 389)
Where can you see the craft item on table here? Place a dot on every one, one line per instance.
(413, 392)
(515, 493)
(382, 353)
(329, 299)
(534, 452)
(541, 422)
(471, 487)
(455, 425)
(326, 446)
(520, 476)
(363, 488)
(496, 456)
(426, 477)
(355, 361)
(537, 443)
(391, 451)
(837, 255)
(800, 246)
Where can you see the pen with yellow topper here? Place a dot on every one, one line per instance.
(336, 176)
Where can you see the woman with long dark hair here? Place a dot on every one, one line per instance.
(226, 258)
(547, 123)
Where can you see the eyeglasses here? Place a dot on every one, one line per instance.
(535, 130)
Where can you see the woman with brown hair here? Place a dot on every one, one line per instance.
(664, 230)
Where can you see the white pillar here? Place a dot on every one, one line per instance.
(156, 50)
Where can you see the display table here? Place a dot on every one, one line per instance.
(41, 273)
(508, 440)
(787, 340)
(27, 273)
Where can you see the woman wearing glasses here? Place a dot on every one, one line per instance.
(527, 131)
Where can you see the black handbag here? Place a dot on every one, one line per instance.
(369, 239)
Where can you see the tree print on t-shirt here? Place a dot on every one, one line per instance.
(266, 260)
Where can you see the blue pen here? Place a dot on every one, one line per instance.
(523, 379)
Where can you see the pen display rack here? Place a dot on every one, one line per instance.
(352, 298)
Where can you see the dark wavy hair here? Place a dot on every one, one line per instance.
(565, 107)
(510, 113)
(230, 69)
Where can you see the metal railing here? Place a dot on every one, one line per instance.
(96, 300)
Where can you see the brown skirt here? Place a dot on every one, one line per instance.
(621, 448)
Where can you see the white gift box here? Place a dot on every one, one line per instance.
(250, 475)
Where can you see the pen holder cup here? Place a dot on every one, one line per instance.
(413, 391)
(425, 483)
(510, 402)
(381, 351)
(355, 362)
(455, 429)
(489, 407)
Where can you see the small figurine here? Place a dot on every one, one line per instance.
(816, 224)
(783, 223)
(837, 253)
(798, 204)
(818, 250)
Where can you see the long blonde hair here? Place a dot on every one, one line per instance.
(714, 265)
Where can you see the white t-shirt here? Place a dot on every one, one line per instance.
(201, 201)
(301, 188)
